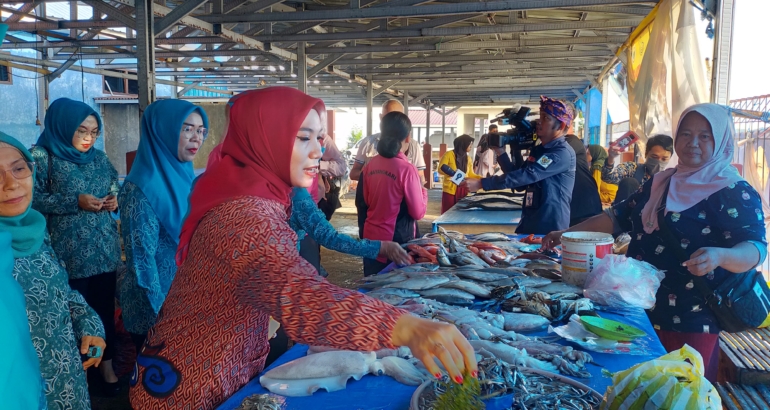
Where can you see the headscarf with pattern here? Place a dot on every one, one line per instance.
(556, 109)
(62, 119)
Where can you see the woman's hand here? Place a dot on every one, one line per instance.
(85, 343)
(612, 153)
(394, 252)
(110, 203)
(552, 240)
(430, 340)
(90, 203)
(704, 260)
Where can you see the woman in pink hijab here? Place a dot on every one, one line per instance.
(714, 228)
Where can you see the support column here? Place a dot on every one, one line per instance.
(723, 41)
(42, 81)
(369, 104)
(603, 140)
(442, 147)
(145, 52)
(427, 123)
(74, 16)
(586, 117)
(406, 102)
(301, 67)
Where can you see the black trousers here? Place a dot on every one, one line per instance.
(278, 346)
(99, 293)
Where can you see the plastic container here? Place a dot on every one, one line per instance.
(581, 251)
(610, 329)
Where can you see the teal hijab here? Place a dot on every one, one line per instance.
(28, 229)
(62, 119)
(20, 381)
(157, 171)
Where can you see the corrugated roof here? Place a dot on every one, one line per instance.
(418, 117)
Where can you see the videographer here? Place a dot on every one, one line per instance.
(548, 174)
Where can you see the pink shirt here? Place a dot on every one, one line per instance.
(387, 183)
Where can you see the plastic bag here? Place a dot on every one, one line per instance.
(622, 282)
(668, 382)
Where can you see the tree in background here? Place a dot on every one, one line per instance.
(355, 135)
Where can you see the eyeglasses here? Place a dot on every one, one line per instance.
(190, 131)
(83, 134)
(19, 170)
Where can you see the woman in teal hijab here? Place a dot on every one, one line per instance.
(60, 322)
(153, 204)
(76, 189)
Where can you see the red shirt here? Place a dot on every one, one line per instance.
(388, 183)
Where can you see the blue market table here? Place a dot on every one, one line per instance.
(384, 393)
(478, 221)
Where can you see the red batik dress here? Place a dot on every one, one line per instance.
(211, 335)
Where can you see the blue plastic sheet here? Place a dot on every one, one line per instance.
(455, 216)
(383, 392)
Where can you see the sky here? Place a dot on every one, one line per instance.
(750, 59)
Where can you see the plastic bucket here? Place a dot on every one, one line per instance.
(581, 251)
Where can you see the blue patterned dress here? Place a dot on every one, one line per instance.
(150, 254)
(87, 242)
(308, 219)
(725, 219)
(58, 318)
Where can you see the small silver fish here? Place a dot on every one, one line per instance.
(561, 287)
(421, 282)
(404, 293)
(533, 281)
(524, 322)
(470, 287)
(446, 292)
(480, 276)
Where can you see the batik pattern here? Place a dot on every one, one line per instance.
(58, 318)
(87, 242)
(150, 260)
(242, 267)
(306, 218)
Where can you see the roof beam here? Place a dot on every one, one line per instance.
(126, 19)
(323, 64)
(385, 87)
(474, 58)
(179, 12)
(407, 11)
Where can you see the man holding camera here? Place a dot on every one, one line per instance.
(548, 174)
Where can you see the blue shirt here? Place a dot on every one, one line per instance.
(549, 177)
(307, 219)
(87, 242)
(725, 219)
(151, 266)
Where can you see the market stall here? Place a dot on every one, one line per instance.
(384, 392)
(487, 212)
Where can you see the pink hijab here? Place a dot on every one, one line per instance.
(689, 185)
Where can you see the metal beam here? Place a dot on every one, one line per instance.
(61, 69)
(301, 67)
(470, 45)
(385, 87)
(125, 19)
(475, 58)
(145, 52)
(255, 7)
(24, 9)
(176, 14)
(409, 11)
(323, 64)
(187, 88)
(369, 103)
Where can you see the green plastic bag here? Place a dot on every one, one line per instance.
(668, 382)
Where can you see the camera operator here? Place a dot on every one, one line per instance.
(548, 174)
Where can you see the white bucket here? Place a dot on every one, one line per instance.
(581, 251)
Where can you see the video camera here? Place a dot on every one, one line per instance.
(521, 136)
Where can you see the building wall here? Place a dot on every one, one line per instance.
(122, 129)
(216, 114)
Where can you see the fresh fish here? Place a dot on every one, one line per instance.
(519, 262)
(524, 322)
(402, 352)
(471, 287)
(391, 299)
(421, 282)
(420, 267)
(404, 293)
(403, 371)
(561, 287)
(423, 241)
(480, 276)
(453, 300)
(531, 281)
(446, 293)
(552, 274)
(442, 257)
(502, 282)
(512, 355)
(492, 237)
(505, 271)
(375, 281)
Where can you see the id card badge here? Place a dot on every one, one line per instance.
(458, 177)
(529, 199)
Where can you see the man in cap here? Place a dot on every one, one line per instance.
(547, 175)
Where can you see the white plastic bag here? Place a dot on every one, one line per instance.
(622, 282)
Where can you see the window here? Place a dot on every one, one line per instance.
(5, 75)
(115, 85)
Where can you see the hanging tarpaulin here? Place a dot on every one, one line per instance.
(665, 69)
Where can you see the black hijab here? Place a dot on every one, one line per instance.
(461, 151)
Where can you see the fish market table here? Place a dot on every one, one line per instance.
(385, 393)
(478, 221)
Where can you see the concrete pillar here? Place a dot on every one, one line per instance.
(406, 102)
(301, 67)
(587, 115)
(427, 155)
(441, 150)
(330, 123)
(427, 123)
(443, 127)
(145, 52)
(369, 104)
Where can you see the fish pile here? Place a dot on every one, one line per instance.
(262, 402)
(530, 390)
(490, 202)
